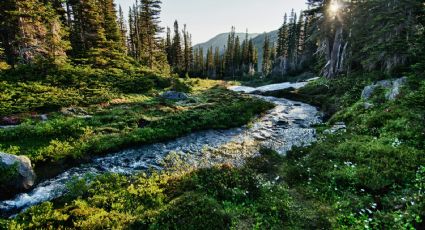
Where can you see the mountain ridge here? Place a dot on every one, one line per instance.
(220, 41)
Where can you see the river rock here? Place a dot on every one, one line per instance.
(173, 95)
(26, 176)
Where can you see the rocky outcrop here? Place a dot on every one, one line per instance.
(173, 95)
(392, 90)
(391, 86)
(24, 177)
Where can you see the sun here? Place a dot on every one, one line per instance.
(334, 7)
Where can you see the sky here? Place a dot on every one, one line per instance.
(208, 18)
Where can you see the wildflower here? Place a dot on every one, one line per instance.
(396, 143)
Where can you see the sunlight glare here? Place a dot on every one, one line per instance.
(334, 7)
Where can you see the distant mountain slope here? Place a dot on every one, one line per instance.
(258, 39)
(221, 41)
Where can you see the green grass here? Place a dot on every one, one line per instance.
(370, 177)
(130, 120)
(221, 197)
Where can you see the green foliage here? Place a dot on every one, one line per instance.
(116, 126)
(369, 175)
(234, 198)
(23, 90)
(192, 211)
(8, 173)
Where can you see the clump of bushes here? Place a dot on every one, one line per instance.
(222, 197)
(8, 173)
(28, 90)
(368, 176)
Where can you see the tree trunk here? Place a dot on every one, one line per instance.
(336, 54)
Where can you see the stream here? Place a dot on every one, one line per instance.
(287, 125)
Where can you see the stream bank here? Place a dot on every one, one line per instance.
(287, 125)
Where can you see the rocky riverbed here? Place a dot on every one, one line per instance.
(289, 124)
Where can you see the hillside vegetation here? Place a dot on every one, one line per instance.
(78, 81)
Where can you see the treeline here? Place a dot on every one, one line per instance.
(239, 58)
(294, 49)
(92, 32)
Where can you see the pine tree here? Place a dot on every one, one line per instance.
(9, 30)
(87, 33)
(109, 22)
(301, 39)
(282, 44)
(145, 44)
(31, 32)
(245, 51)
(122, 28)
(217, 62)
(168, 46)
(132, 34)
(210, 62)
(237, 55)
(150, 29)
(229, 53)
(176, 51)
(201, 62)
(188, 50)
(253, 57)
(292, 36)
(267, 62)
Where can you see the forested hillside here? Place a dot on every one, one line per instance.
(109, 121)
(221, 41)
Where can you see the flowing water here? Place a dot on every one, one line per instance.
(288, 124)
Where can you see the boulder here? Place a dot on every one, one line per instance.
(368, 105)
(395, 90)
(74, 111)
(336, 128)
(368, 91)
(392, 86)
(25, 177)
(173, 95)
(44, 117)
